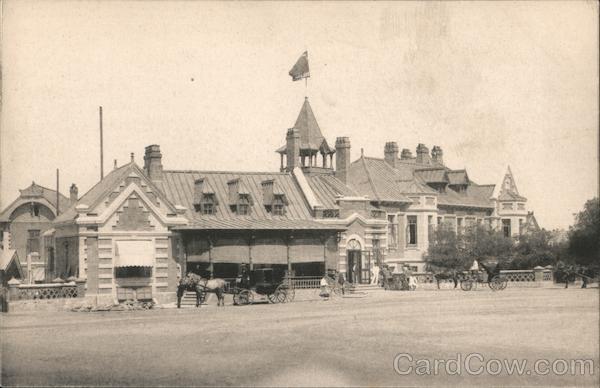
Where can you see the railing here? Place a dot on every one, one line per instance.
(518, 275)
(47, 291)
(299, 282)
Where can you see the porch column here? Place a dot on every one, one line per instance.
(281, 168)
(288, 241)
(181, 256)
(211, 268)
(250, 242)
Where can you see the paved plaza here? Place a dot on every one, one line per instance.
(349, 341)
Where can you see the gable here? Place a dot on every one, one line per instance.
(133, 208)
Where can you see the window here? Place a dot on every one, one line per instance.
(207, 204)
(278, 209)
(208, 208)
(506, 228)
(33, 241)
(243, 207)
(392, 231)
(411, 230)
(133, 272)
(331, 213)
(278, 206)
(459, 225)
(507, 206)
(439, 220)
(35, 210)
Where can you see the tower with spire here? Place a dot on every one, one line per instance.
(306, 147)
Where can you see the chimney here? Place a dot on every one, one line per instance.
(423, 154)
(406, 154)
(73, 193)
(390, 151)
(198, 187)
(342, 158)
(292, 151)
(267, 191)
(437, 154)
(153, 162)
(233, 186)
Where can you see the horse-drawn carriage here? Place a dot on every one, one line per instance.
(492, 276)
(263, 283)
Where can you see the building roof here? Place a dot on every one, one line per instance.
(458, 177)
(507, 190)
(380, 182)
(432, 175)
(328, 188)
(311, 137)
(178, 186)
(106, 186)
(473, 197)
(7, 255)
(34, 193)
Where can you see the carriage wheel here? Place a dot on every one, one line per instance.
(280, 294)
(466, 284)
(496, 283)
(242, 298)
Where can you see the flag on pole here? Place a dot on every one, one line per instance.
(300, 69)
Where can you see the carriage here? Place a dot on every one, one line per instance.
(494, 279)
(263, 283)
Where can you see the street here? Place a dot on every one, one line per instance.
(343, 341)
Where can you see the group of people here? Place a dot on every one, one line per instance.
(383, 276)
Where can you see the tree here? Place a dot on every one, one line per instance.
(534, 249)
(489, 245)
(584, 240)
(446, 251)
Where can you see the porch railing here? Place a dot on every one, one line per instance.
(300, 282)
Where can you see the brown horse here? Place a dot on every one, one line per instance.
(193, 282)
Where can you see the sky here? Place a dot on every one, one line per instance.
(493, 83)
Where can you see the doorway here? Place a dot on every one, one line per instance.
(354, 262)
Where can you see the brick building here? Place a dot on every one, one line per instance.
(25, 223)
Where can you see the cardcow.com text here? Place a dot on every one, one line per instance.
(476, 364)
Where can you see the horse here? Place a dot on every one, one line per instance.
(445, 276)
(193, 282)
(215, 286)
(189, 283)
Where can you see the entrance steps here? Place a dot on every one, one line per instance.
(189, 299)
(365, 288)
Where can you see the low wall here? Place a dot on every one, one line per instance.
(535, 278)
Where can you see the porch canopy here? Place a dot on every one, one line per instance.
(134, 253)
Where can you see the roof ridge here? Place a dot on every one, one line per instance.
(226, 172)
(370, 179)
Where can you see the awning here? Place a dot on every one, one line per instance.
(134, 253)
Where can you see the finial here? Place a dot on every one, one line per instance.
(362, 152)
(132, 156)
(115, 164)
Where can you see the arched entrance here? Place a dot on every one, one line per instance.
(354, 262)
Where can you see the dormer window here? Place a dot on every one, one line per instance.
(243, 205)
(208, 204)
(278, 205)
(205, 200)
(273, 198)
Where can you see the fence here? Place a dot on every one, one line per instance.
(304, 282)
(72, 289)
(537, 277)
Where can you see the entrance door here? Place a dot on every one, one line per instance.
(354, 262)
(354, 266)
